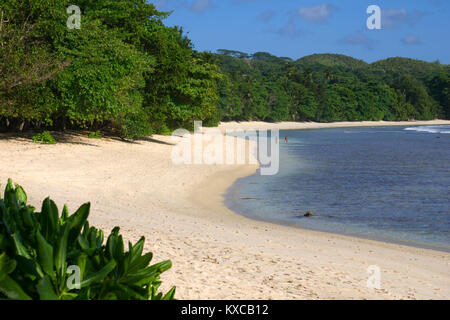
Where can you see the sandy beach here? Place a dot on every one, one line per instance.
(216, 253)
(315, 125)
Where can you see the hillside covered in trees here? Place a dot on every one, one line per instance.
(126, 72)
(330, 87)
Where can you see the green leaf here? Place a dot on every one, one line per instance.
(84, 244)
(20, 248)
(81, 262)
(77, 221)
(21, 196)
(49, 217)
(4, 214)
(7, 265)
(100, 275)
(136, 253)
(11, 200)
(9, 187)
(115, 245)
(12, 289)
(45, 289)
(132, 294)
(29, 267)
(170, 295)
(61, 252)
(45, 254)
(27, 218)
(93, 238)
(86, 228)
(64, 213)
(100, 239)
(140, 262)
(136, 250)
(162, 266)
(147, 275)
(153, 289)
(80, 216)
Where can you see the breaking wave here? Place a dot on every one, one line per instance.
(431, 129)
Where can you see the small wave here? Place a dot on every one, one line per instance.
(430, 129)
(374, 132)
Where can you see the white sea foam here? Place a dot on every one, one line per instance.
(430, 129)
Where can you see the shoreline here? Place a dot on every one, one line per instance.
(227, 180)
(258, 125)
(316, 126)
(216, 253)
(405, 243)
(209, 190)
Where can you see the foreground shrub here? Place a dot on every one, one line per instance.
(44, 138)
(47, 256)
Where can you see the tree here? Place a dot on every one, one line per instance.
(440, 91)
(24, 57)
(25, 60)
(417, 96)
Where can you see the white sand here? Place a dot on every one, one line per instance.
(216, 254)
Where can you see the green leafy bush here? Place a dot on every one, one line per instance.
(44, 138)
(95, 135)
(40, 250)
(134, 126)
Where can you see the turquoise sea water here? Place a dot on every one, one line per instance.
(385, 183)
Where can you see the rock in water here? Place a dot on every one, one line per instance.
(309, 214)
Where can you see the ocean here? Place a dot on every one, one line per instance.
(383, 183)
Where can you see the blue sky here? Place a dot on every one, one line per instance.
(417, 29)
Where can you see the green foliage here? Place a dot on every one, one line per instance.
(44, 138)
(329, 87)
(134, 125)
(26, 63)
(94, 135)
(183, 86)
(124, 70)
(440, 91)
(402, 66)
(332, 60)
(38, 252)
(127, 72)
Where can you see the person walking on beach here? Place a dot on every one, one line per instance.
(286, 139)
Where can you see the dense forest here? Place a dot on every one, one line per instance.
(126, 72)
(330, 87)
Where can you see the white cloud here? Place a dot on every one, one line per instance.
(198, 6)
(201, 5)
(316, 14)
(411, 40)
(357, 39)
(392, 18)
(290, 30)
